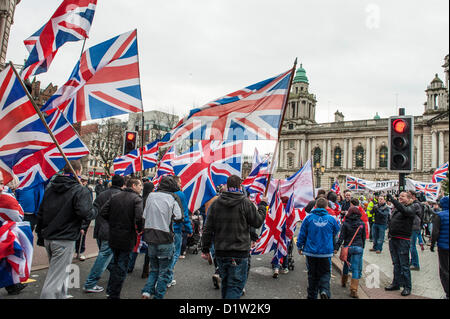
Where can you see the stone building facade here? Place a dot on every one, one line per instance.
(360, 148)
(7, 9)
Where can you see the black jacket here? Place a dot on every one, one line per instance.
(381, 214)
(401, 223)
(124, 215)
(348, 229)
(101, 229)
(64, 207)
(99, 189)
(228, 222)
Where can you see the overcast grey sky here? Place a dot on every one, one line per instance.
(358, 54)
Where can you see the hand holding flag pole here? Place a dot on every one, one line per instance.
(44, 122)
(280, 127)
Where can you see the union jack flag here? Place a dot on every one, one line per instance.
(71, 22)
(301, 185)
(256, 181)
(26, 148)
(251, 113)
(335, 187)
(131, 163)
(440, 173)
(355, 184)
(10, 209)
(164, 166)
(16, 255)
(104, 83)
(431, 190)
(204, 166)
(272, 229)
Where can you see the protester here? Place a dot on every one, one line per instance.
(101, 234)
(400, 230)
(352, 228)
(381, 214)
(346, 203)
(124, 215)
(177, 229)
(80, 244)
(141, 246)
(100, 187)
(416, 234)
(227, 224)
(165, 208)
(440, 236)
(372, 201)
(276, 266)
(65, 205)
(316, 242)
(30, 199)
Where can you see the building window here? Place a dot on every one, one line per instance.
(359, 156)
(291, 126)
(291, 145)
(290, 160)
(337, 157)
(317, 156)
(383, 158)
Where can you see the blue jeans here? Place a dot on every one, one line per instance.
(161, 257)
(378, 233)
(104, 257)
(413, 250)
(399, 249)
(355, 257)
(233, 272)
(178, 238)
(319, 276)
(118, 273)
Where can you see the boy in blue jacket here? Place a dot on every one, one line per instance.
(316, 241)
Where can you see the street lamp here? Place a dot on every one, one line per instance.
(318, 170)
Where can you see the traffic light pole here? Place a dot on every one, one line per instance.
(401, 176)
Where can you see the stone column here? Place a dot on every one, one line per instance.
(328, 153)
(350, 154)
(433, 150)
(309, 151)
(441, 149)
(324, 153)
(419, 153)
(368, 153)
(302, 151)
(281, 155)
(344, 157)
(297, 154)
(374, 153)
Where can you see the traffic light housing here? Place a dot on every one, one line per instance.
(129, 142)
(401, 144)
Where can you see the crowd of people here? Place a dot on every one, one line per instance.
(132, 216)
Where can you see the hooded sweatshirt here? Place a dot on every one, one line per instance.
(229, 219)
(64, 207)
(441, 226)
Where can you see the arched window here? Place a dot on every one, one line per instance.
(359, 156)
(383, 157)
(317, 155)
(337, 157)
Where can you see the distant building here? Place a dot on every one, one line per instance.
(360, 148)
(7, 9)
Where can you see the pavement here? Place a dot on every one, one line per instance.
(377, 271)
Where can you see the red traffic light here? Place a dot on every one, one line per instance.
(131, 136)
(399, 126)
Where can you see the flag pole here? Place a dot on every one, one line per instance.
(142, 114)
(45, 123)
(280, 127)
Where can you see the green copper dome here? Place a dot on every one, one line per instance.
(376, 117)
(300, 76)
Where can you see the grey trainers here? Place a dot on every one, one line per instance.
(93, 289)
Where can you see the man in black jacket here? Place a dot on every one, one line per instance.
(65, 205)
(124, 215)
(228, 221)
(101, 233)
(400, 230)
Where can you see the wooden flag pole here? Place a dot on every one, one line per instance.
(45, 123)
(275, 153)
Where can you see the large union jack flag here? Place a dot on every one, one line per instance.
(355, 184)
(204, 166)
(251, 113)
(26, 148)
(256, 181)
(430, 190)
(131, 163)
(104, 83)
(71, 22)
(164, 166)
(335, 187)
(440, 173)
(272, 229)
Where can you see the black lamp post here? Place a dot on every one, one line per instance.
(318, 170)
